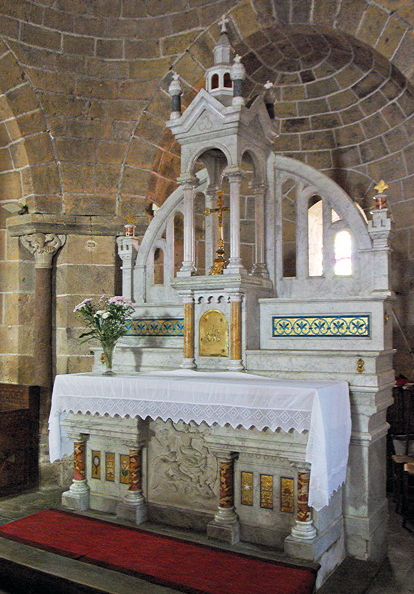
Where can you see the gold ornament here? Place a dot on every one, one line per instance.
(219, 262)
(381, 186)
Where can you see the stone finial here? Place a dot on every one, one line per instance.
(269, 98)
(43, 246)
(237, 74)
(130, 226)
(238, 71)
(381, 198)
(175, 91)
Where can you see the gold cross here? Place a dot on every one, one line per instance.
(381, 186)
(219, 262)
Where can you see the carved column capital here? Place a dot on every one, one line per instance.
(233, 174)
(235, 296)
(258, 187)
(187, 181)
(43, 246)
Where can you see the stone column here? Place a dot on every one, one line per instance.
(43, 246)
(188, 355)
(210, 227)
(225, 527)
(235, 362)
(188, 267)
(235, 265)
(78, 495)
(303, 528)
(133, 506)
(259, 266)
(381, 229)
(127, 250)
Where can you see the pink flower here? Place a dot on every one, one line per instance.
(82, 304)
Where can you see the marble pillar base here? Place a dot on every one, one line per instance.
(228, 533)
(303, 530)
(132, 508)
(77, 497)
(188, 364)
(134, 513)
(225, 527)
(235, 365)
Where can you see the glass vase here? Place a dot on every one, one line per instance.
(107, 356)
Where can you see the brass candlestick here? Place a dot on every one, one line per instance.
(219, 262)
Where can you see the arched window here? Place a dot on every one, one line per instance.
(158, 267)
(343, 253)
(315, 236)
(214, 81)
(227, 80)
(178, 241)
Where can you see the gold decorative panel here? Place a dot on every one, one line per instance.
(124, 469)
(109, 466)
(213, 334)
(246, 486)
(287, 495)
(96, 464)
(266, 491)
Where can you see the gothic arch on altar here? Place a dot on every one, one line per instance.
(285, 218)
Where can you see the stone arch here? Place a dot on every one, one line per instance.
(27, 139)
(250, 155)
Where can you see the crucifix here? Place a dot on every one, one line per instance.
(219, 262)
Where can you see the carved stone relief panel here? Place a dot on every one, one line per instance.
(181, 470)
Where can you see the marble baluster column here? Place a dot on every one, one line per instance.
(78, 495)
(259, 266)
(188, 266)
(43, 246)
(210, 228)
(303, 528)
(225, 527)
(133, 506)
(235, 265)
(235, 361)
(189, 330)
(127, 250)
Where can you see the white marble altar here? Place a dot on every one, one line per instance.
(237, 290)
(233, 399)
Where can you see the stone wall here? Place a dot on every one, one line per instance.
(83, 106)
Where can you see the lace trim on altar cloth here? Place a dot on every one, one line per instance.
(222, 415)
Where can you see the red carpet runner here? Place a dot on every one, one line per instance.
(179, 564)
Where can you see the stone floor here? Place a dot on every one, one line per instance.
(394, 576)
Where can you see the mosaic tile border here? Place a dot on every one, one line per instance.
(321, 326)
(156, 327)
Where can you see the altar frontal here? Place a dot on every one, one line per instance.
(251, 388)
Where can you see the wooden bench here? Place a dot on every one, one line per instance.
(19, 438)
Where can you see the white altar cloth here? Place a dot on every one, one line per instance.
(322, 407)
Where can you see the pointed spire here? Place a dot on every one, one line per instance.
(218, 77)
(222, 49)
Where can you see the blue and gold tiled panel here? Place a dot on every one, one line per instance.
(321, 326)
(156, 327)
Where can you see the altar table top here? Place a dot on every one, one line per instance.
(237, 399)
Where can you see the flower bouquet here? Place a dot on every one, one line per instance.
(106, 322)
